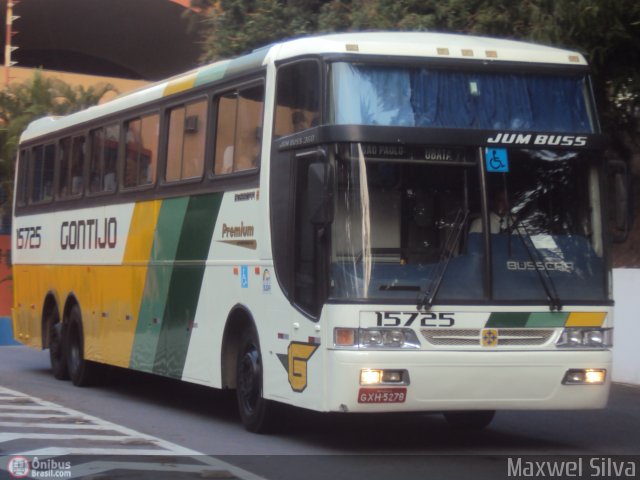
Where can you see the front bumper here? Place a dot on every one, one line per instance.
(466, 380)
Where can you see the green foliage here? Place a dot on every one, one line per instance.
(239, 26)
(21, 103)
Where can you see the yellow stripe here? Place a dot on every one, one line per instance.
(126, 284)
(586, 319)
(180, 85)
(143, 225)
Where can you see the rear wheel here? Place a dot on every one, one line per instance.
(257, 414)
(57, 355)
(471, 420)
(82, 372)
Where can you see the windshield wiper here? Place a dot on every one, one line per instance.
(550, 289)
(428, 295)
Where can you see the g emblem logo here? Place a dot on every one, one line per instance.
(298, 356)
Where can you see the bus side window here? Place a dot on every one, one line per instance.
(64, 162)
(21, 187)
(186, 144)
(41, 172)
(298, 104)
(141, 154)
(111, 149)
(239, 130)
(77, 165)
(105, 144)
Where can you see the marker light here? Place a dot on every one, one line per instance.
(587, 376)
(344, 337)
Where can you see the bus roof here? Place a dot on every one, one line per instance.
(408, 44)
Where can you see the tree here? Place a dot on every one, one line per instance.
(21, 103)
(239, 26)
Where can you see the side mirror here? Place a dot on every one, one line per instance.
(319, 197)
(622, 203)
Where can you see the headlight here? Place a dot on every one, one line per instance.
(586, 338)
(375, 338)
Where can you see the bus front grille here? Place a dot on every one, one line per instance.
(473, 337)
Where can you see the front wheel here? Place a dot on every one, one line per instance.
(256, 413)
(471, 420)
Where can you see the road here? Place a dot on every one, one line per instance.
(203, 420)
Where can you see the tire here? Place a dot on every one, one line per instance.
(82, 372)
(257, 414)
(57, 354)
(471, 420)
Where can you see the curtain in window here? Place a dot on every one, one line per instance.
(373, 95)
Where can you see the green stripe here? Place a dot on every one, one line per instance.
(508, 320)
(547, 320)
(527, 320)
(185, 284)
(248, 62)
(212, 73)
(163, 252)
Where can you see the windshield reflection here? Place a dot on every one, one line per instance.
(395, 218)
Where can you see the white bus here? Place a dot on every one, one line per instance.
(375, 222)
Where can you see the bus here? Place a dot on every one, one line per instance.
(363, 222)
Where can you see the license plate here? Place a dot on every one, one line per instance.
(382, 395)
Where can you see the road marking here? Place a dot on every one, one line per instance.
(62, 426)
(8, 437)
(41, 415)
(63, 418)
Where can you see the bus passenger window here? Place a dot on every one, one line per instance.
(21, 187)
(185, 149)
(239, 130)
(77, 165)
(42, 161)
(64, 159)
(141, 157)
(104, 159)
(70, 166)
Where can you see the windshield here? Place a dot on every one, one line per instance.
(365, 94)
(547, 235)
(397, 227)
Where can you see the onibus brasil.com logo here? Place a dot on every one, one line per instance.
(22, 467)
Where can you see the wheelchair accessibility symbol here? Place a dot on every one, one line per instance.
(497, 159)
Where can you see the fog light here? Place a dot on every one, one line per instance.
(595, 377)
(392, 376)
(370, 377)
(588, 376)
